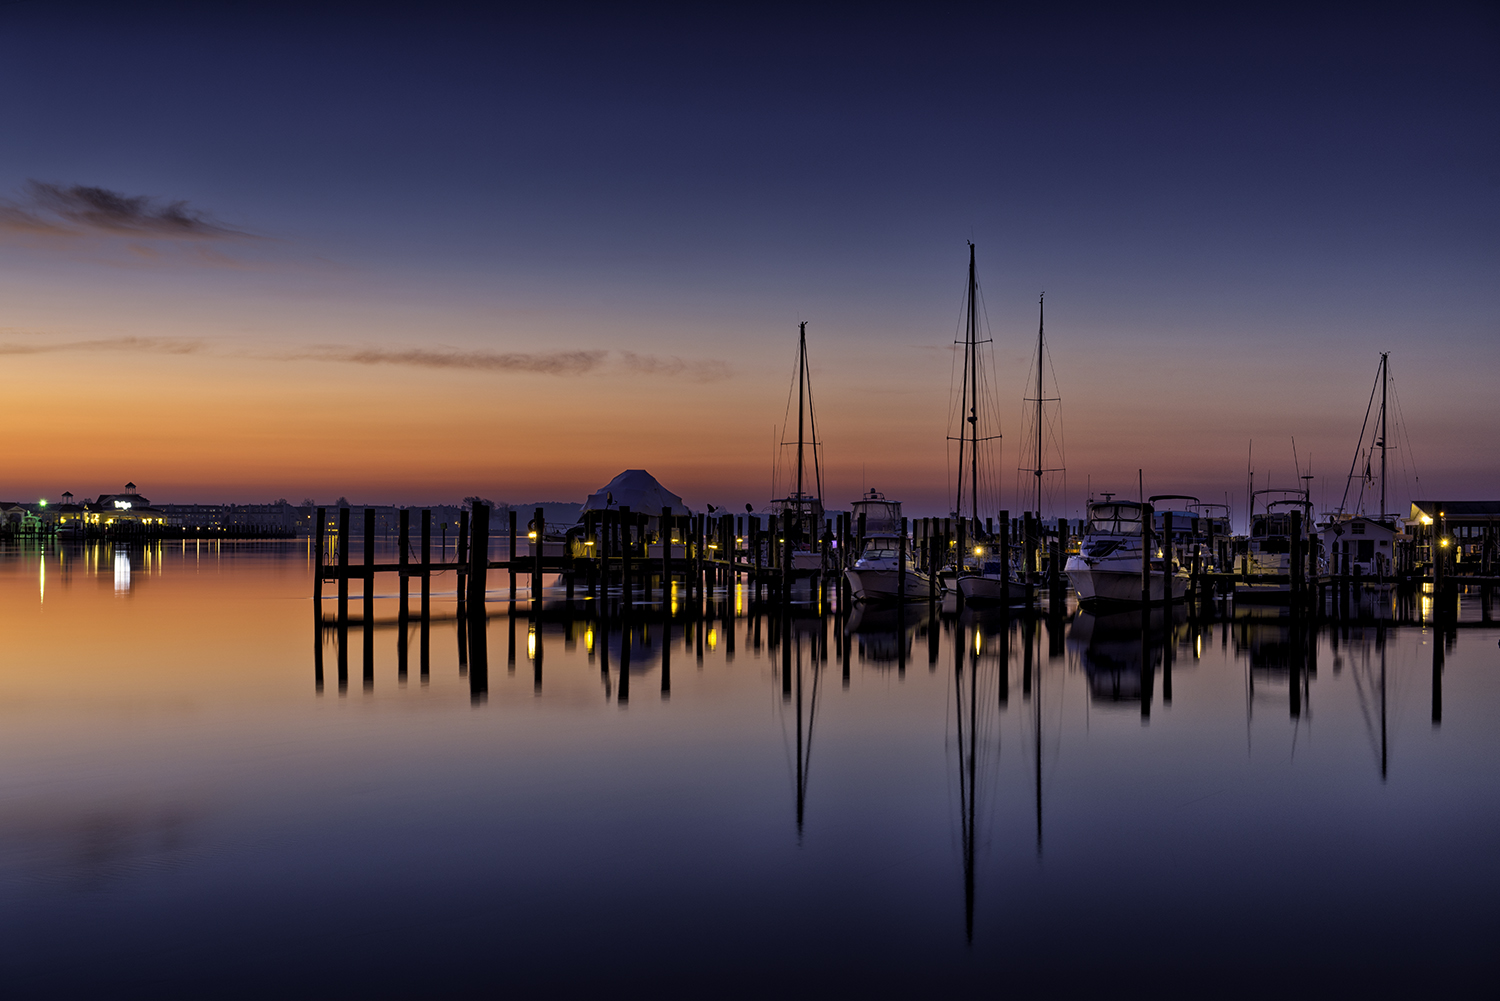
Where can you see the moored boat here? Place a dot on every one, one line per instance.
(1107, 569)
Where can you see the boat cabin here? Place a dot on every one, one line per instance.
(882, 517)
(1361, 545)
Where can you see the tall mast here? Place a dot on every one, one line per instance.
(1040, 325)
(963, 388)
(973, 394)
(1384, 378)
(801, 383)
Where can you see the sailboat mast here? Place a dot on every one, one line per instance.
(973, 394)
(801, 384)
(963, 388)
(1040, 326)
(1385, 371)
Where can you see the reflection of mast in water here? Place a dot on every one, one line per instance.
(804, 740)
(967, 764)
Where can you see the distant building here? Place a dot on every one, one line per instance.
(123, 510)
(1467, 526)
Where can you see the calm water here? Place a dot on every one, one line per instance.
(185, 809)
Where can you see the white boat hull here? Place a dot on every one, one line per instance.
(981, 590)
(1120, 587)
(883, 585)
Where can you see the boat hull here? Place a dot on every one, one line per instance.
(980, 590)
(1120, 587)
(883, 585)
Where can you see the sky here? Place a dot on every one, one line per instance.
(407, 256)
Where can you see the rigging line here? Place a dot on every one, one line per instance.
(1359, 447)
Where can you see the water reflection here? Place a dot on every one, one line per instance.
(972, 816)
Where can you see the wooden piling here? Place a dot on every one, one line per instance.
(1166, 571)
(1146, 515)
(901, 572)
(404, 538)
(510, 557)
(343, 568)
(368, 604)
(536, 573)
(463, 561)
(1005, 563)
(318, 568)
(479, 563)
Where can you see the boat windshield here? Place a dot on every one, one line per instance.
(1114, 519)
(885, 549)
(1263, 525)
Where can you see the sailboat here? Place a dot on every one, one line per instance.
(978, 572)
(1375, 557)
(801, 511)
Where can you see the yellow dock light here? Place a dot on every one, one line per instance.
(531, 535)
(1444, 542)
(978, 550)
(978, 642)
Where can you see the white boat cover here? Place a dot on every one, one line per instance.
(637, 490)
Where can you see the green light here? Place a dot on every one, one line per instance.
(44, 503)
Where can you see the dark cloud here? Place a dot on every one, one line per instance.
(78, 210)
(696, 369)
(145, 345)
(543, 363)
(538, 363)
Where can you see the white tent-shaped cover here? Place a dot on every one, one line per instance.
(637, 490)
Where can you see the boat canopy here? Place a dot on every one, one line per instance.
(1115, 518)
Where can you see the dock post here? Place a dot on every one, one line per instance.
(1057, 594)
(343, 568)
(318, 569)
(786, 560)
(462, 553)
(426, 589)
(901, 571)
(1146, 515)
(664, 532)
(367, 606)
(479, 564)
(536, 573)
(1166, 569)
(510, 558)
(368, 603)
(1294, 564)
(1005, 564)
(403, 610)
(624, 523)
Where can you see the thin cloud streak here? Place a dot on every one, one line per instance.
(562, 363)
(80, 210)
(543, 363)
(143, 345)
(696, 369)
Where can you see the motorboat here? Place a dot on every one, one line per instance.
(1107, 569)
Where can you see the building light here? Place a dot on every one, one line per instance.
(978, 550)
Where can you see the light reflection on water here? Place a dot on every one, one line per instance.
(727, 802)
